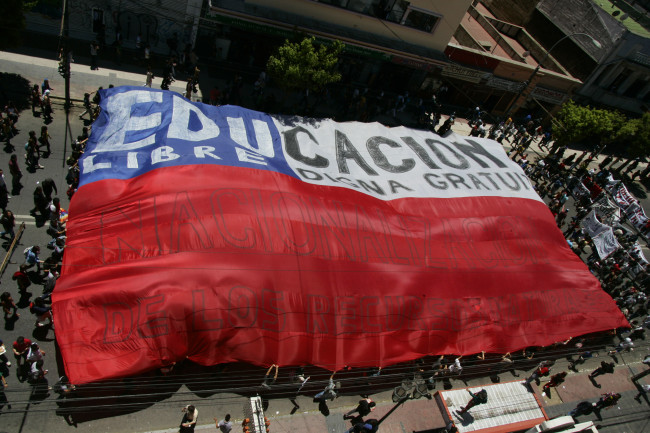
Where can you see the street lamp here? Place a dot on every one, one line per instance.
(526, 83)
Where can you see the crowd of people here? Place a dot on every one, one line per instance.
(37, 269)
(553, 175)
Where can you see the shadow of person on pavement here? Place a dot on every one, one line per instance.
(466, 418)
(594, 383)
(322, 407)
(10, 322)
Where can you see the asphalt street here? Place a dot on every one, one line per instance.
(158, 408)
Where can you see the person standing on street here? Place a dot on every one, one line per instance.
(33, 152)
(32, 258)
(8, 222)
(40, 202)
(16, 174)
(4, 192)
(36, 99)
(21, 278)
(21, 347)
(224, 426)
(47, 106)
(48, 188)
(94, 49)
(44, 139)
(45, 86)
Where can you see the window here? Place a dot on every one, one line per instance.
(635, 89)
(98, 20)
(397, 11)
(363, 6)
(420, 20)
(613, 87)
(391, 10)
(394, 10)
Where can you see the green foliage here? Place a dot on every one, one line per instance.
(12, 21)
(304, 66)
(591, 126)
(635, 135)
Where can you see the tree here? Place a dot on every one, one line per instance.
(12, 21)
(583, 124)
(303, 66)
(635, 135)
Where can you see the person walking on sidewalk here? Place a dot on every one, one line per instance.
(556, 379)
(149, 79)
(539, 372)
(607, 400)
(94, 49)
(480, 397)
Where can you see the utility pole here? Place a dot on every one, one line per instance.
(65, 65)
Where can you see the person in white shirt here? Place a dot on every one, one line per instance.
(189, 419)
(456, 368)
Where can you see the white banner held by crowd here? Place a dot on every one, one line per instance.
(623, 198)
(605, 243)
(592, 226)
(607, 212)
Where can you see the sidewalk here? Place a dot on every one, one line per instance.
(82, 79)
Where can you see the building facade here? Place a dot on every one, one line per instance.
(156, 21)
(616, 74)
(390, 44)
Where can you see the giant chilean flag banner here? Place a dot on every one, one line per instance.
(221, 234)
